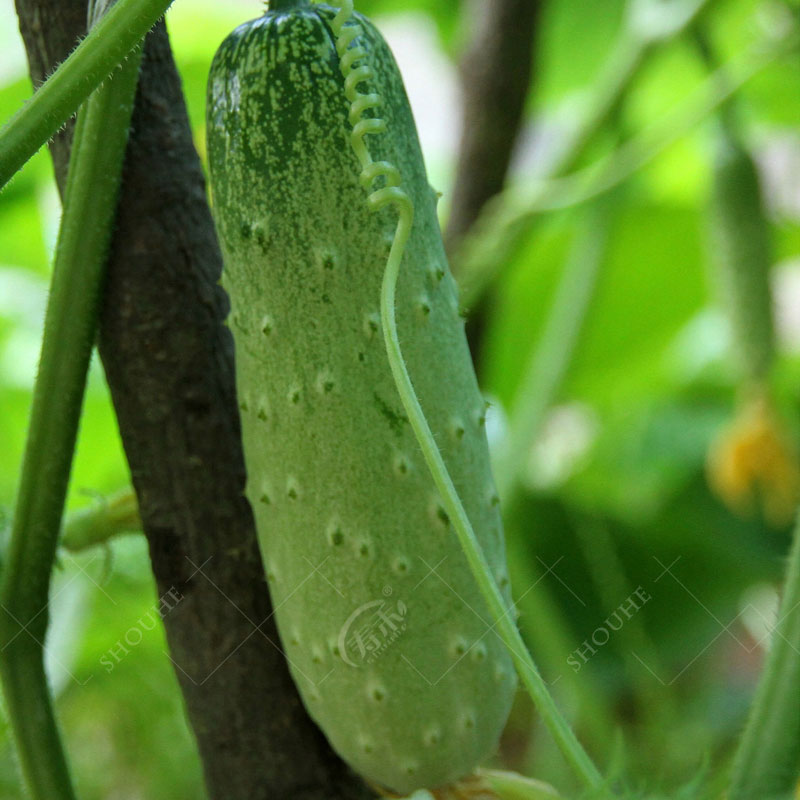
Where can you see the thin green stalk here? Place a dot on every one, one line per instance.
(547, 368)
(541, 383)
(656, 701)
(70, 323)
(624, 65)
(95, 525)
(629, 54)
(57, 99)
(767, 763)
(716, 90)
(546, 630)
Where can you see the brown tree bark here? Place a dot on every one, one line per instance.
(169, 364)
(495, 77)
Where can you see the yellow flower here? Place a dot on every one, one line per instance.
(753, 463)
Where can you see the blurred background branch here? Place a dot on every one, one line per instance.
(495, 76)
(504, 222)
(484, 225)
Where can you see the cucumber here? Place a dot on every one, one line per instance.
(387, 636)
(740, 244)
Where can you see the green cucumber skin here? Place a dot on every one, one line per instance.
(741, 248)
(335, 476)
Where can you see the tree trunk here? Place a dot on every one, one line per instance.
(169, 364)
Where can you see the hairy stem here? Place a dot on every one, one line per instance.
(767, 764)
(70, 324)
(106, 46)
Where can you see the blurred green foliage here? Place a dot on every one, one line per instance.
(621, 459)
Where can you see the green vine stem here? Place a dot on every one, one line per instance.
(57, 99)
(540, 386)
(511, 786)
(545, 627)
(767, 763)
(658, 707)
(101, 521)
(392, 194)
(70, 322)
(507, 217)
(545, 372)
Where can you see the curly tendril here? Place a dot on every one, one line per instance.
(354, 73)
(356, 70)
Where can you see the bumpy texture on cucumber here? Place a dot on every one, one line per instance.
(741, 247)
(388, 638)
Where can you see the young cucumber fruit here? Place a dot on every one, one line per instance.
(741, 248)
(387, 635)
